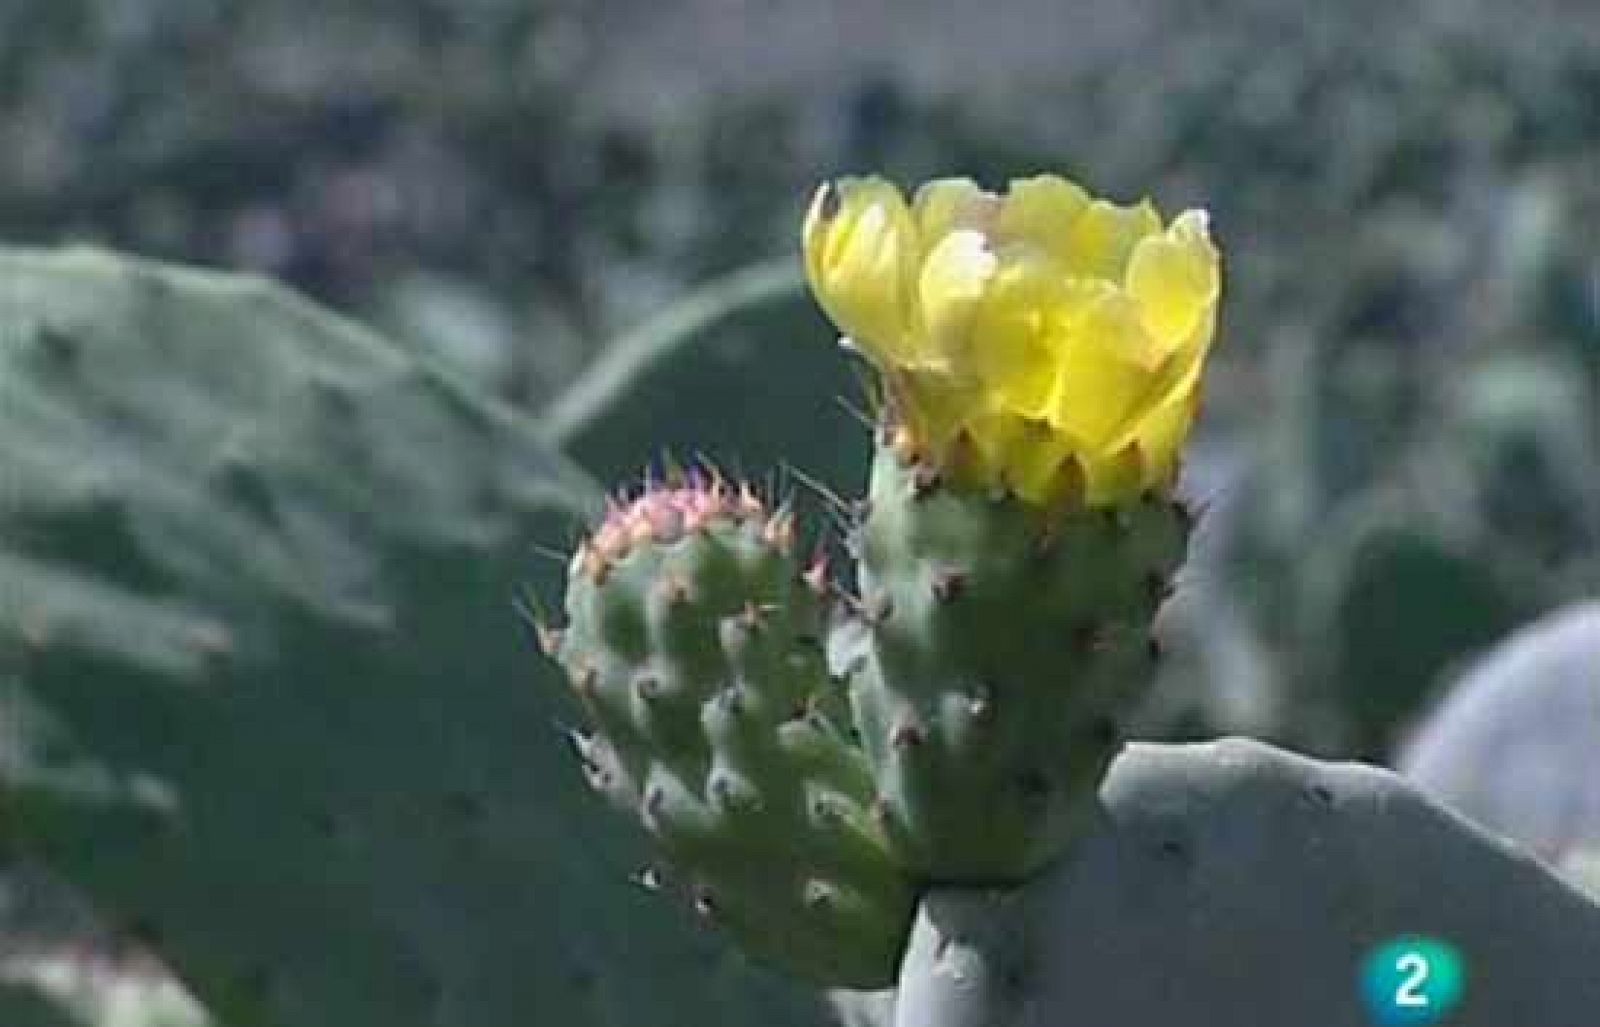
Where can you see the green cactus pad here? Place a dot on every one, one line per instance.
(694, 643)
(266, 698)
(1005, 643)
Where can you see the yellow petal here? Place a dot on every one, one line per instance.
(935, 405)
(1101, 238)
(951, 285)
(1174, 278)
(1182, 366)
(1106, 372)
(945, 205)
(1162, 434)
(1016, 452)
(1161, 430)
(1044, 341)
(1041, 210)
(861, 261)
(995, 432)
(1017, 326)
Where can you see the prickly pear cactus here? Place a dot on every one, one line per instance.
(56, 952)
(1005, 647)
(1010, 562)
(1515, 743)
(694, 642)
(1234, 883)
(266, 699)
(1040, 355)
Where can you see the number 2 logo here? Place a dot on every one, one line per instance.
(1415, 966)
(1412, 981)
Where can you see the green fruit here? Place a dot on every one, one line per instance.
(1005, 642)
(694, 643)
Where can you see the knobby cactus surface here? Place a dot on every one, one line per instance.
(259, 666)
(896, 773)
(1038, 359)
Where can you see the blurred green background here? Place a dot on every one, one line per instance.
(1401, 449)
(591, 209)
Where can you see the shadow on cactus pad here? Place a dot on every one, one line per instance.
(266, 699)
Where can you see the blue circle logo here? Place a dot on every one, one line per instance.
(1412, 981)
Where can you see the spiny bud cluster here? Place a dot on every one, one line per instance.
(665, 513)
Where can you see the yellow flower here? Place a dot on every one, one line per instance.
(1042, 340)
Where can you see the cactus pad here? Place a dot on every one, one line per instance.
(1005, 643)
(266, 699)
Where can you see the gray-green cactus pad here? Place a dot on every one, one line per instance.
(1515, 745)
(265, 698)
(1235, 884)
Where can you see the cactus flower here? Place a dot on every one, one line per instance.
(1043, 340)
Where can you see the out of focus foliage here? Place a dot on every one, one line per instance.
(1402, 460)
